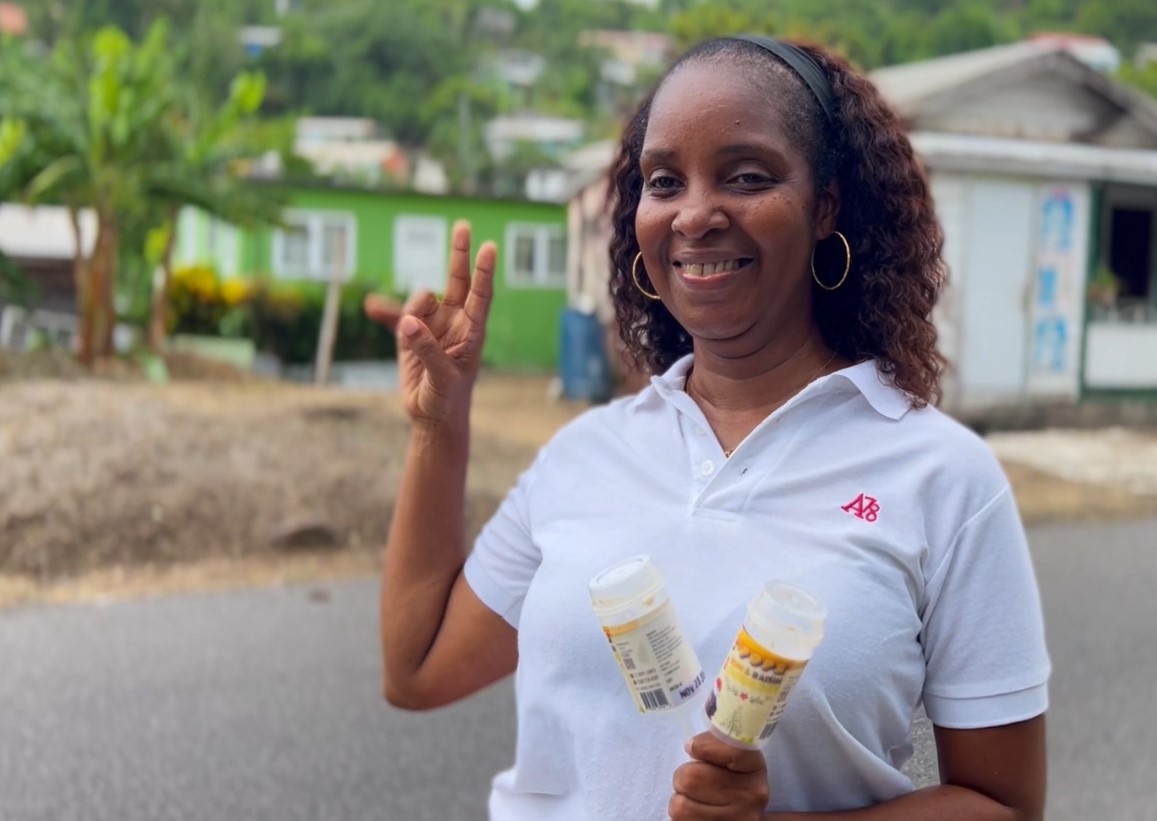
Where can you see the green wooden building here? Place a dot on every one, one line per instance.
(400, 242)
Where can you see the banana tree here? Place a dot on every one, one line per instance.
(12, 279)
(92, 116)
(207, 152)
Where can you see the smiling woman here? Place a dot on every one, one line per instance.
(776, 261)
(829, 208)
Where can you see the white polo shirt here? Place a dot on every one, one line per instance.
(900, 521)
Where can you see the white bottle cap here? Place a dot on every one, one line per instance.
(626, 585)
(786, 620)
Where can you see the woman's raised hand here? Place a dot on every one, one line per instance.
(440, 341)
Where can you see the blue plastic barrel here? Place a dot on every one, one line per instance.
(583, 364)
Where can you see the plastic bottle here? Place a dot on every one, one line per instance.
(781, 631)
(659, 665)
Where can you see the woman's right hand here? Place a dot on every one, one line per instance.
(440, 342)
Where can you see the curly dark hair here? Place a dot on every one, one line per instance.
(883, 310)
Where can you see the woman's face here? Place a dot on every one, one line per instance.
(729, 213)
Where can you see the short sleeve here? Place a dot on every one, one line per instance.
(505, 558)
(983, 633)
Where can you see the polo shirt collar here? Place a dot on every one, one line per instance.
(866, 377)
(878, 388)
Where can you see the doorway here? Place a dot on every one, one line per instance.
(1129, 240)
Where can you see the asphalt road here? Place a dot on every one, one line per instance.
(264, 704)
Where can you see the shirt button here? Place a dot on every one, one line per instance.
(708, 468)
(700, 432)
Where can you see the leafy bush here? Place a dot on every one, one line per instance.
(200, 302)
(15, 286)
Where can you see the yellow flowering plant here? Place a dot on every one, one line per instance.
(200, 302)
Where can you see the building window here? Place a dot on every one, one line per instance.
(1129, 253)
(188, 224)
(313, 243)
(222, 247)
(535, 256)
(420, 253)
(206, 240)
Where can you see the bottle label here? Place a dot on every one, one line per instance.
(751, 691)
(659, 665)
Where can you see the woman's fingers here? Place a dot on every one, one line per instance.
(707, 748)
(416, 337)
(722, 781)
(482, 288)
(682, 808)
(712, 785)
(465, 294)
(384, 311)
(424, 305)
(459, 284)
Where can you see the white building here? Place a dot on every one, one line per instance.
(41, 241)
(554, 136)
(351, 148)
(1044, 172)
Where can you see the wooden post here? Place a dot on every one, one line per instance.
(329, 318)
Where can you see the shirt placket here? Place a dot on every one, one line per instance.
(709, 467)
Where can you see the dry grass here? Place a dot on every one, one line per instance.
(121, 489)
(102, 479)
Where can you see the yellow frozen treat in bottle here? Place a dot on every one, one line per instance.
(781, 630)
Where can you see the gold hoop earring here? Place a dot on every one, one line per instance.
(847, 265)
(635, 277)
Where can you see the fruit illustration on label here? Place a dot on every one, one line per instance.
(780, 632)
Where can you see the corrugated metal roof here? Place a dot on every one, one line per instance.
(995, 155)
(911, 86)
(907, 85)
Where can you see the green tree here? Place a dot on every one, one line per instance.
(1041, 15)
(1143, 78)
(15, 286)
(552, 26)
(102, 123)
(455, 113)
(702, 22)
(52, 20)
(396, 62)
(89, 115)
(206, 148)
(209, 52)
(1126, 23)
(967, 27)
(372, 59)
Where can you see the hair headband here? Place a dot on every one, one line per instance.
(803, 65)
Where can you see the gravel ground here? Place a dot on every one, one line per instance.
(1113, 457)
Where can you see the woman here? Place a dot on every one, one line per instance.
(776, 261)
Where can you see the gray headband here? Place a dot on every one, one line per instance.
(803, 65)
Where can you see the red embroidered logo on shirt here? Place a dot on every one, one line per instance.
(863, 507)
